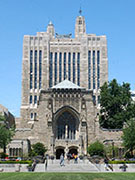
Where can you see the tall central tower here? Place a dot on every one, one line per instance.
(80, 28)
(49, 59)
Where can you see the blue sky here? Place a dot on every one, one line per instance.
(114, 18)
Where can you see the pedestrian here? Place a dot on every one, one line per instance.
(107, 166)
(75, 159)
(68, 158)
(62, 160)
(34, 165)
(124, 167)
(46, 161)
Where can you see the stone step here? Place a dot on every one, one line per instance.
(68, 167)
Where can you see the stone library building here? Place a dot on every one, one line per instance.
(61, 80)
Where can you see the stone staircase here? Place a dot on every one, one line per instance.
(54, 166)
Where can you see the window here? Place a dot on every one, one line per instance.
(69, 66)
(73, 67)
(31, 67)
(60, 66)
(94, 99)
(78, 69)
(89, 69)
(35, 78)
(66, 126)
(80, 21)
(94, 86)
(98, 69)
(40, 68)
(50, 69)
(30, 80)
(55, 68)
(35, 116)
(64, 66)
(30, 99)
(35, 99)
(31, 116)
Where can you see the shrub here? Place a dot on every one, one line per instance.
(38, 149)
(96, 148)
(3, 155)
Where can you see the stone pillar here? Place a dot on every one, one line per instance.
(52, 144)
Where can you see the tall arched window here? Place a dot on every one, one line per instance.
(66, 126)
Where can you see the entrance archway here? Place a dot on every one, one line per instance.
(66, 125)
(59, 152)
(73, 151)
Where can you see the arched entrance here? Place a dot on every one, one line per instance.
(66, 125)
(59, 152)
(73, 151)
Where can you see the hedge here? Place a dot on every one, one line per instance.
(15, 162)
(121, 162)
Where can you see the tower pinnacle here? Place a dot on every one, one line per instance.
(80, 11)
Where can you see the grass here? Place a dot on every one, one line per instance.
(67, 176)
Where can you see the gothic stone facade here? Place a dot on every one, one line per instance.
(61, 78)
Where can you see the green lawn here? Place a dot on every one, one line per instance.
(66, 176)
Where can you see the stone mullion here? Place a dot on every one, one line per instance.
(95, 68)
(66, 65)
(71, 66)
(53, 69)
(62, 66)
(92, 69)
(76, 67)
(38, 70)
(33, 75)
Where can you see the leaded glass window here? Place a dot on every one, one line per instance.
(73, 67)
(89, 69)
(78, 69)
(31, 68)
(98, 69)
(40, 68)
(50, 69)
(66, 126)
(35, 75)
(94, 86)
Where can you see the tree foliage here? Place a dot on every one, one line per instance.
(6, 134)
(38, 149)
(116, 103)
(96, 148)
(129, 136)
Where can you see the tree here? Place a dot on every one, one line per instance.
(116, 103)
(96, 148)
(38, 149)
(6, 133)
(129, 136)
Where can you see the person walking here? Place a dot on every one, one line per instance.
(62, 160)
(107, 166)
(46, 161)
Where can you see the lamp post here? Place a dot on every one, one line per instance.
(22, 149)
(113, 152)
